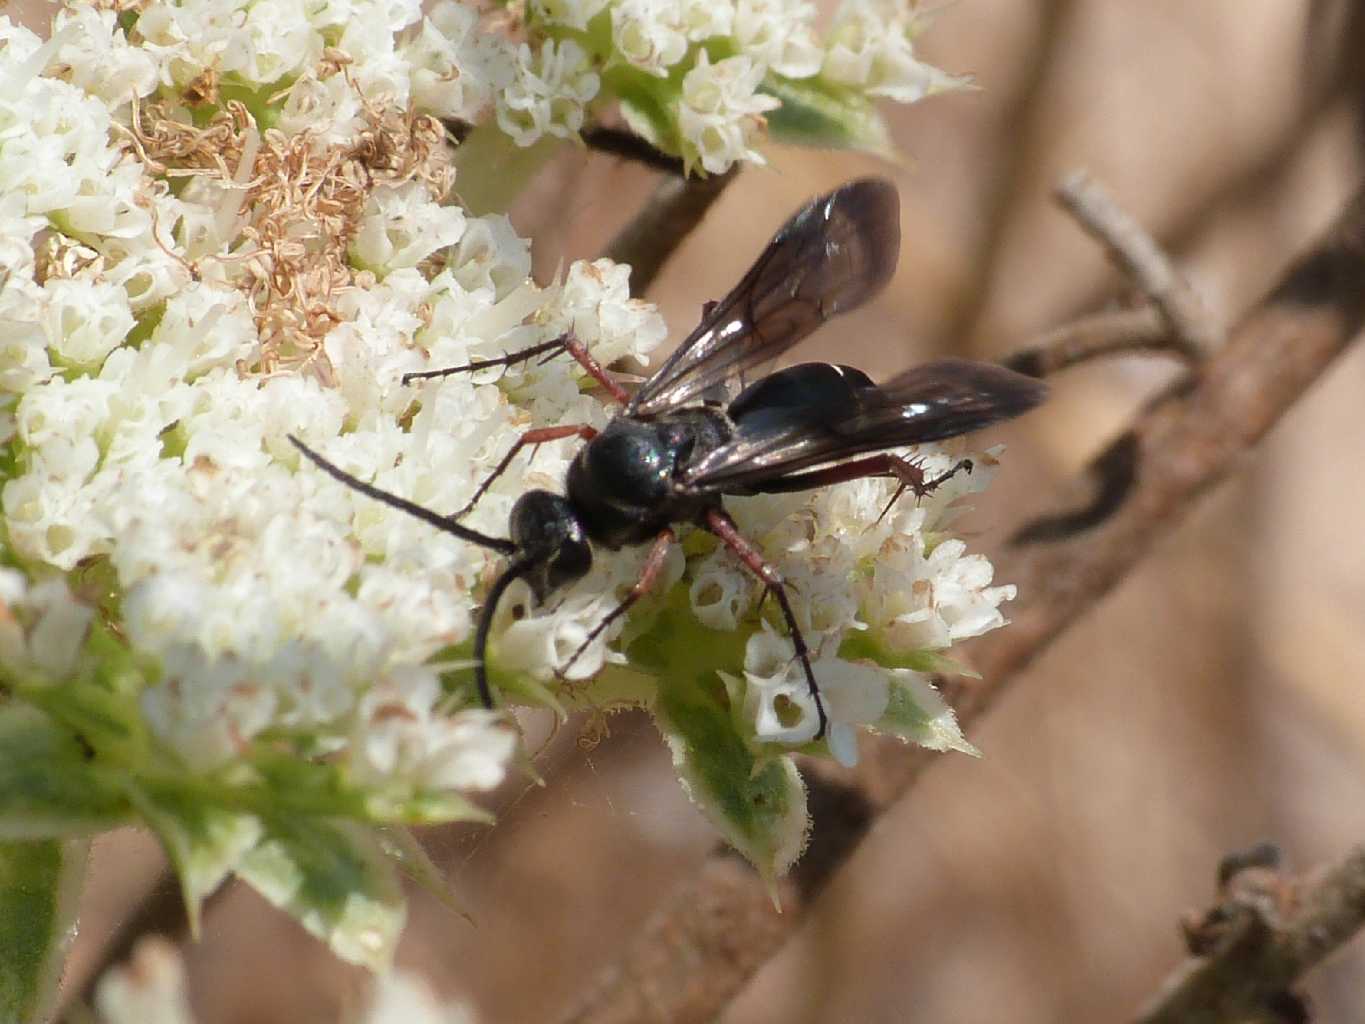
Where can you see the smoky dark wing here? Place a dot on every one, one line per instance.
(927, 403)
(834, 254)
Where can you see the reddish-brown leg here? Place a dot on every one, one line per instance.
(724, 527)
(580, 352)
(649, 575)
(534, 437)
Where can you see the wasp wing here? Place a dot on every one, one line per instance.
(834, 254)
(818, 414)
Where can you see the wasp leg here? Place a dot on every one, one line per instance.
(536, 437)
(649, 575)
(724, 527)
(911, 477)
(585, 359)
(509, 359)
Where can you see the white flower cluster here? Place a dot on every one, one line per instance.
(869, 48)
(872, 48)
(895, 578)
(547, 97)
(150, 430)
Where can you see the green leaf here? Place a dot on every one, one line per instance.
(916, 713)
(758, 802)
(334, 878)
(204, 842)
(825, 115)
(412, 859)
(39, 890)
(49, 786)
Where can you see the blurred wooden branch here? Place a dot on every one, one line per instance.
(1263, 935)
(1018, 151)
(1120, 332)
(718, 928)
(623, 143)
(654, 234)
(1141, 259)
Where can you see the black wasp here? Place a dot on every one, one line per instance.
(697, 430)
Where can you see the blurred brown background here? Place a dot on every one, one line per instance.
(1213, 700)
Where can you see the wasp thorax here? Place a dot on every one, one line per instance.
(550, 538)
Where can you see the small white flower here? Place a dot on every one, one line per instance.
(403, 998)
(97, 58)
(722, 591)
(490, 254)
(548, 96)
(85, 320)
(781, 708)
(17, 230)
(871, 47)
(930, 601)
(149, 989)
(23, 342)
(57, 634)
(457, 69)
(597, 305)
(720, 113)
(403, 226)
(650, 34)
(780, 34)
(705, 19)
(401, 737)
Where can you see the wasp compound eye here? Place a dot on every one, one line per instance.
(571, 562)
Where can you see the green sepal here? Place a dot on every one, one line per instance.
(404, 806)
(916, 713)
(825, 115)
(204, 842)
(862, 644)
(757, 802)
(336, 879)
(50, 788)
(412, 859)
(40, 885)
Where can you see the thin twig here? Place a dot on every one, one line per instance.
(1142, 260)
(718, 928)
(1121, 332)
(676, 207)
(1264, 937)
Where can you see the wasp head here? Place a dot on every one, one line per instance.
(550, 542)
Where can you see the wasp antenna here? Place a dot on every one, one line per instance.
(515, 571)
(443, 523)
